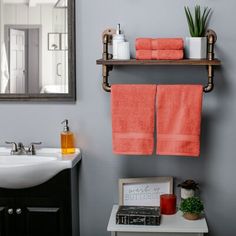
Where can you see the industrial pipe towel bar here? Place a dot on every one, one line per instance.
(107, 62)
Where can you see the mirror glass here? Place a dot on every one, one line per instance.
(34, 48)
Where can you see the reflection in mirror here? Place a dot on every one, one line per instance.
(34, 47)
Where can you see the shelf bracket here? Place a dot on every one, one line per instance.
(107, 40)
(105, 73)
(211, 40)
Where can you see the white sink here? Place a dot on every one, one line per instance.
(17, 172)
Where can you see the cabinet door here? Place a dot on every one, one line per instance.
(43, 217)
(46, 221)
(7, 219)
(2, 221)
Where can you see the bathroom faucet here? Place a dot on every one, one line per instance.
(20, 149)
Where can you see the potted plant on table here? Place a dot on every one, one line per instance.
(192, 208)
(196, 45)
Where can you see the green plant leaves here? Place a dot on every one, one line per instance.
(192, 205)
(190, 21)
(197, 24)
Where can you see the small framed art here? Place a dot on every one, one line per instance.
(144, 191)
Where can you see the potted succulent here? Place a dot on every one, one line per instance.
(192, 208)
(196, 45)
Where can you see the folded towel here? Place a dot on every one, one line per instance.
(143, 44)
(159, 44)
(179, 110)
(159, 54)
(144, 55)
(133, 109)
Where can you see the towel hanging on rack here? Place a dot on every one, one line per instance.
(179, 109)
(133, 108)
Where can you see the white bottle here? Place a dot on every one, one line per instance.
(117, 38)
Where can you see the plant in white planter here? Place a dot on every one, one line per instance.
(196, 45)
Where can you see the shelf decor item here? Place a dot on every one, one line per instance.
(168, 204)
(144, 191)
(196, 45)
(188, 188)
(138, 215)
(192, 208)
(108, 64)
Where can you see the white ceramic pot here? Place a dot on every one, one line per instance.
(196, 47)
(187, 193)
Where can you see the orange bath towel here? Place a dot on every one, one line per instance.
(133, 108)
(159, 44)
(159, 54)
(179, 110)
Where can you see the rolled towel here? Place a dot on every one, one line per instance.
(179, 111)
(159, 44)
(133, 109)
(159, 54)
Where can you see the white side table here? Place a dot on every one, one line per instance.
(174, 225)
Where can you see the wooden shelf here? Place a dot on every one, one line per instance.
(109, 64)
(133, 62)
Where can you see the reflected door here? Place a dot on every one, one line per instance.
(17, 61)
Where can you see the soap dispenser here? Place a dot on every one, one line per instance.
(67, 139)
(117, 38)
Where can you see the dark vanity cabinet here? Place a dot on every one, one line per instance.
(6, 222)
(50, 209)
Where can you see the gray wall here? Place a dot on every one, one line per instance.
(91, 120)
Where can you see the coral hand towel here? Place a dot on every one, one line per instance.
(133, 108)
(179, 110)
(159, 54)
(168, 43)
(168, 54)
(159, 44)
(143, 44)
(144, 55)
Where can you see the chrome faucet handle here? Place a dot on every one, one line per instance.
(14, 147)
(32, 147)
(36, 143)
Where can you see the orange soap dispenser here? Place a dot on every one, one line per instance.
(67, 140)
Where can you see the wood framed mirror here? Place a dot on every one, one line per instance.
(37, 50)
